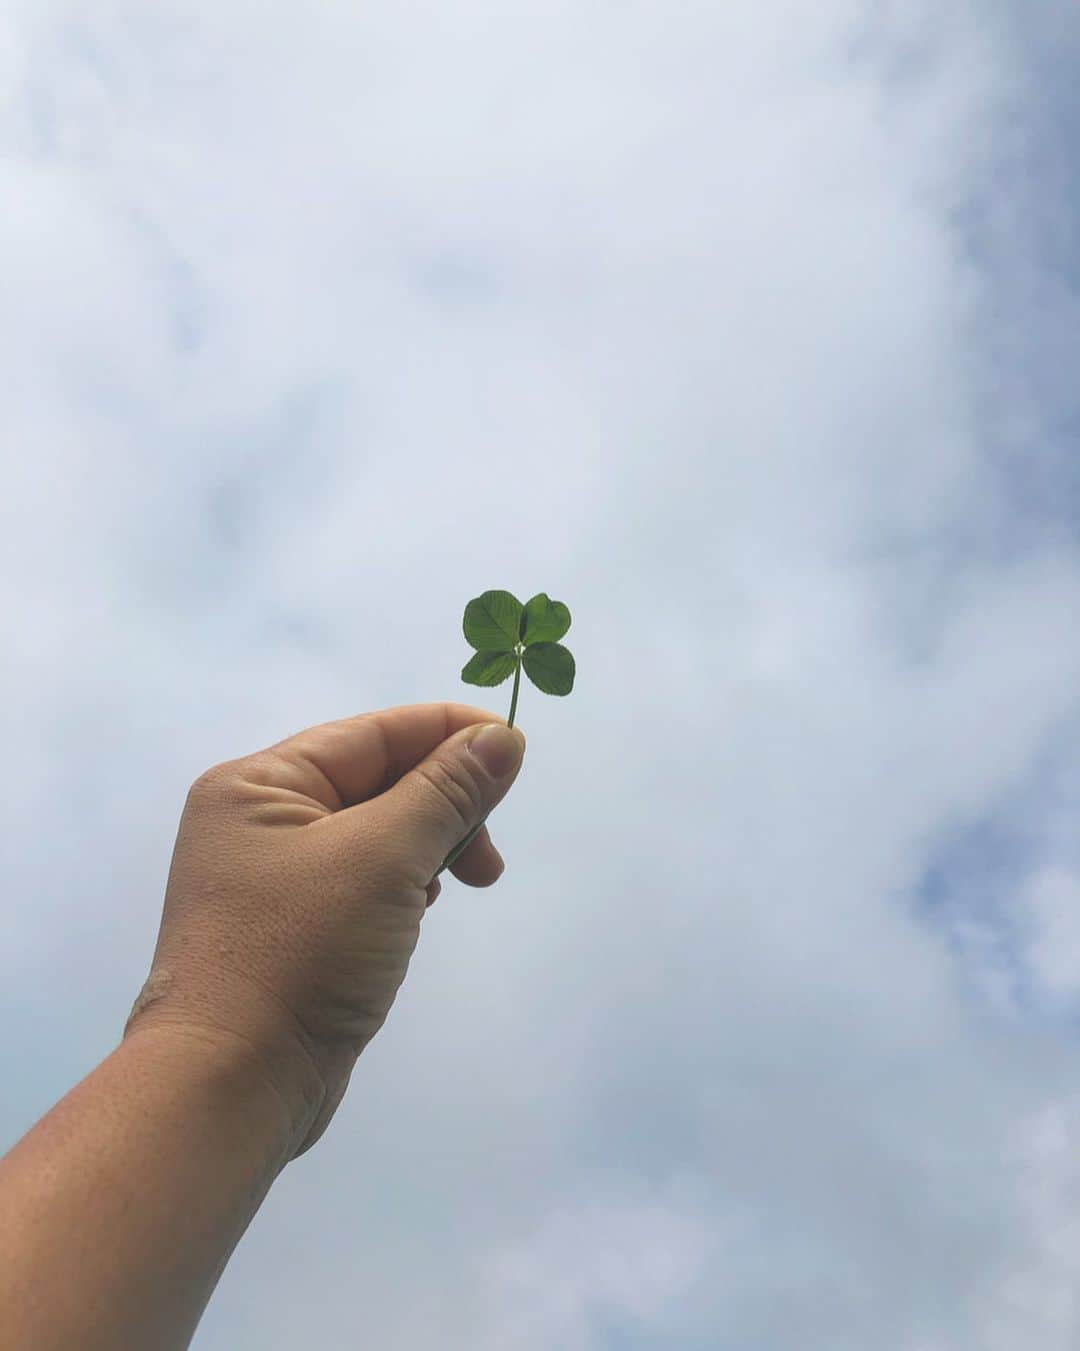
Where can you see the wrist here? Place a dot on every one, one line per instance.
(246, 1066)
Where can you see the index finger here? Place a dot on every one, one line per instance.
(359, 757)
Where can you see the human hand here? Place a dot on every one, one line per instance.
(298, 882)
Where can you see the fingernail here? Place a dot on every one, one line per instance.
(499, 749)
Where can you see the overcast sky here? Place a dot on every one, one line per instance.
(748, 330)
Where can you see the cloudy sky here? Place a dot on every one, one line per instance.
(747, 329)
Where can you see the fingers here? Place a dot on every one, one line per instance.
(353, 759)
(481, 864)
(438, 807)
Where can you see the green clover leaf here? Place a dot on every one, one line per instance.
(550, 667)
(492, 621)
(544, 621)
(489, 668)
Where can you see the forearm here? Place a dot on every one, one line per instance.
(120, 1208)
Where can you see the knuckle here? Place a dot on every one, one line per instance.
(203, 788)
(215, 784)
(456, 786)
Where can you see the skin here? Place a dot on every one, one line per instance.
(299, 881)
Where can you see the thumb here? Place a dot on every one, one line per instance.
(434, 806)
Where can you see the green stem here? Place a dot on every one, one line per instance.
(459, 849)
(513, 697)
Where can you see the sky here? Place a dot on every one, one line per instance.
(748, 331)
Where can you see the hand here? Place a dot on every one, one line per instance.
(299, 879)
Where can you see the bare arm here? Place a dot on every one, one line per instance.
(299, 880)
(120, 1208)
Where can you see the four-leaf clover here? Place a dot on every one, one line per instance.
(509, 636)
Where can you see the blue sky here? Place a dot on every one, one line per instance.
(749, 332)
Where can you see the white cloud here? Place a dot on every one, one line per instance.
(1036, 1302)
(323, 319)
(1052, 899)
(620, 1260)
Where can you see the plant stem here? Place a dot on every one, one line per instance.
(513, 698)
(459, 849)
